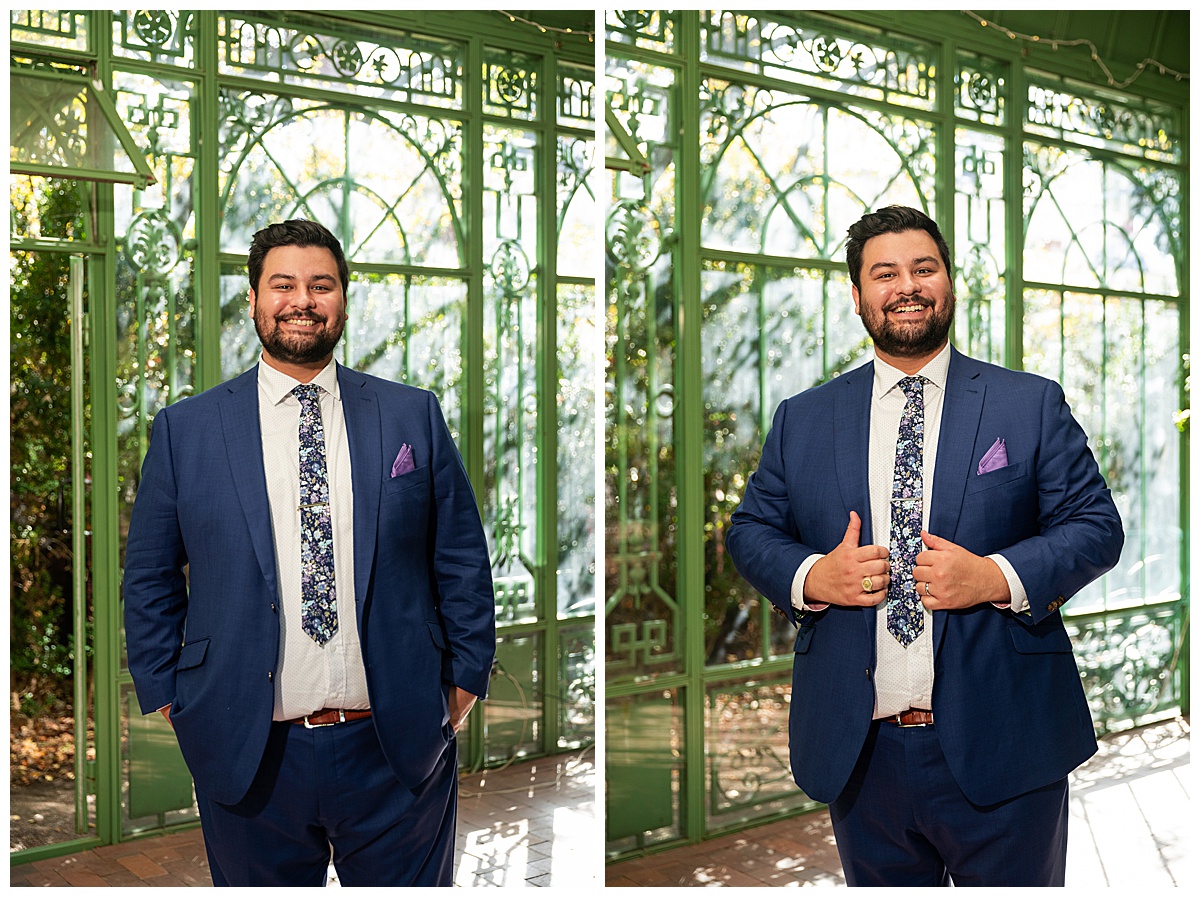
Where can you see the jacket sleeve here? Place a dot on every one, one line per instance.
(461, 565)
(154, 586)
(1080, 534)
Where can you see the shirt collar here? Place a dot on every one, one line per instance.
(277, 385)
(935, 371)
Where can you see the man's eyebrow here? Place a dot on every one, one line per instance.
(923, 260)
(279, 275)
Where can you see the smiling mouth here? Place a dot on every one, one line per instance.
(910, 308)
(300, 322)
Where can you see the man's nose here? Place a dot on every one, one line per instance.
(906, 284)
(304, 298)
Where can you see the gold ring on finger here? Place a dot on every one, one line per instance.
(866, 584)
(926, 588)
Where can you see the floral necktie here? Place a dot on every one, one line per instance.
(905, 614)
(318, 600)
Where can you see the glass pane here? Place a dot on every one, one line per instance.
(768, 192)
(769, 333)
(576, 208)
(1094, 223)
(64, 29)
(1123, 461)
(576, 97)
(46, 572)
(578, 337)
(747, 750)
(1162, 444)
(361, 61)
(649, 28)
(979, 245)
(60, 123)
(811, 52)
(644, 772)
(644, 620)
(1104, 119)
(155, 35)
(511, 430)
(577, 673)
(409, 329)
(981, 89)
(388, 185)
(513, 710)
(511, 85)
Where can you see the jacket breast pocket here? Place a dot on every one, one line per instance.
(414, 479)
(1001, 477)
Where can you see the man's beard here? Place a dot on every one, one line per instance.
(299, 348)
(910, 340)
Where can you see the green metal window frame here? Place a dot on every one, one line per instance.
(670, 64)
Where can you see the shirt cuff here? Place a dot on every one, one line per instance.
(798, 585)
(1019, 601)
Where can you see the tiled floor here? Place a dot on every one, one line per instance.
(1130, 828)
(532, 824)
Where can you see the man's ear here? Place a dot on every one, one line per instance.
(857, 298)
(253, 298)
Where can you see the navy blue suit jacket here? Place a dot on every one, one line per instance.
(1007, 699)
(206, 641)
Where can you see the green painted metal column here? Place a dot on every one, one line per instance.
(689, 419)
(546, 374)
(205, 128)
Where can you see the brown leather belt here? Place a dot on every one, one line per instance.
(330, 718)
(910, 718)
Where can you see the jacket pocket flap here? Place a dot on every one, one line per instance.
(1041, 639)
(803, 638)
(192, 654)
(435, 632)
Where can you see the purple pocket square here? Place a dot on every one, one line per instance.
(404, 461)
(993, 459)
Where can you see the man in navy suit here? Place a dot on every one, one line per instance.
(308, 597)
(921, 520)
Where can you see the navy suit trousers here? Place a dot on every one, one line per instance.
(329, 792)
(903, 821)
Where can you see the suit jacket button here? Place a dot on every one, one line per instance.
(270, 675)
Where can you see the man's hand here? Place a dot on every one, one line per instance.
(461, 702)
(956, 578)
(838, 577)
(166, 712)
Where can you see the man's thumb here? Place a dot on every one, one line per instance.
(853, 531)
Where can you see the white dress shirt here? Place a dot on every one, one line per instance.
(903, 676)
(309, 677)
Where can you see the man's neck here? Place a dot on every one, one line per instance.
(909, 364)
(302, 372)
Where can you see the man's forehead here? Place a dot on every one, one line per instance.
(901, 246)
(292, 260)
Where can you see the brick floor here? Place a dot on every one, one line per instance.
(1130, 821)
(532, 824)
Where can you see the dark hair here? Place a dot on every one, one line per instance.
(890, 220)
(295, 232)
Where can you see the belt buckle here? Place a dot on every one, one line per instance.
(900, 724)
(341, 719)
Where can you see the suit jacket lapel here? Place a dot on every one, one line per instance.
(961, 411)
(364, 432)
(852, 440)
(243, 445)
